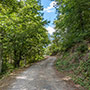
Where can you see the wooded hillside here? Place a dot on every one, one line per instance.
(72, 39)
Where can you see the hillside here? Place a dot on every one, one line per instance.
(72, 39)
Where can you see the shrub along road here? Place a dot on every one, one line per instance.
(40, 76)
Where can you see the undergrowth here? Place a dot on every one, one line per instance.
(9, 68)
(78, 62)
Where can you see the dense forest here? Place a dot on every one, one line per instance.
(23, 36)
(72, 39)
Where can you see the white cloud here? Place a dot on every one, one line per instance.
(51, 7)
(50, 11)
(50, 30)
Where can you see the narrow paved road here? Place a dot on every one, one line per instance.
(40, 76)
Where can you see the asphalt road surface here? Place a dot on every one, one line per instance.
(40, 76)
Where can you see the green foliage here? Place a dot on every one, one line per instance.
(82, 74)
(22, 33)
(82, 48)
(65, 63)
(78, 65)
(72, 24)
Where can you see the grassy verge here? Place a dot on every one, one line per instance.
(79, 64)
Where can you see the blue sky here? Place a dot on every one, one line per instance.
(49, 13)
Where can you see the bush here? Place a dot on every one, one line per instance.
(82, 48)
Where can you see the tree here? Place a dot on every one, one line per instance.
(24, 35)
(72, 23)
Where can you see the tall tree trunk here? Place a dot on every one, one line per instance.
(25, 61)
(17, 58)
(1, 50)
(80, 16)
(0, 57)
